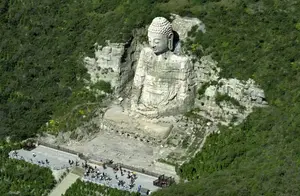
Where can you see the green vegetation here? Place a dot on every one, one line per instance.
(41, 57)
(203, 88)
(193, 113)
(260, 40)
(224, 97)
(80, 188)
(102, 85)
(185, 142)
(18, 177)
(43, 42)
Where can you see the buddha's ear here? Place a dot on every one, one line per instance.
(170, 41)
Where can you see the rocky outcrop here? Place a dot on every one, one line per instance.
(182, 25)
(106, 65)
(247, 93)
(224, 100)
(206, 71)
(112, 63)
(167, 84)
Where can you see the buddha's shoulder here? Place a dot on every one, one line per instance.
(148, 52)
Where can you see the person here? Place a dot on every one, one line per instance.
(132, 180)
(131, 186)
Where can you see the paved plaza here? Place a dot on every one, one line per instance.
(58, 160)
(46, 157)
(112, 178)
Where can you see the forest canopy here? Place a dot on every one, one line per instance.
(17, 177)
(43, 42)
(41, 55)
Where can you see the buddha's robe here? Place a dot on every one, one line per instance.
(162, 84)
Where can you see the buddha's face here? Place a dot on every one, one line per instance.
(158, 42)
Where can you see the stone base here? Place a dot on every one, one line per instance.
(116, 118)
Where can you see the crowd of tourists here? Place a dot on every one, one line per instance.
(120, 178)
(42, 161)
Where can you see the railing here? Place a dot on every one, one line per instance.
(57, 147)
(140, 170)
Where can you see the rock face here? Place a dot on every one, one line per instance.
(162, 84)
(169, 83)
(206, 70)
(247, 93)
(107, 65)
(225, 100)
(182, 25)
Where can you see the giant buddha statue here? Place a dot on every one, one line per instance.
(163, 82)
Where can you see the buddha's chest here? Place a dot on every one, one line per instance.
(165, 68)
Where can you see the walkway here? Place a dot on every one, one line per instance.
(62, 187)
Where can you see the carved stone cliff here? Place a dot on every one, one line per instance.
(163, 84)
(164, 81)
(113, 63)
(167, 83)
(166, 98)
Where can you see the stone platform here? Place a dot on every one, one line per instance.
(119, 119)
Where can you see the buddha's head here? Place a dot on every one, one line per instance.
(160, 35)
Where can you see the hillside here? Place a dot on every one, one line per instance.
(42, 78)
(41, 58)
